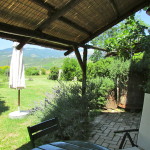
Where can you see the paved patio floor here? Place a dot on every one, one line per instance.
(108, 122)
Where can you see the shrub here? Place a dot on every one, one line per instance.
(91, 70)
(78, 73)
(32, 71)
(100, 68)
(71, 69)
(4, 70)
(71, 109)
(99, 89)
(54, 72)
(143, 67)
(119, 70)
(43, 71)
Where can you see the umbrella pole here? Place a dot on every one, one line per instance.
(18, 100)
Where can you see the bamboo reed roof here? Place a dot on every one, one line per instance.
(62, 24)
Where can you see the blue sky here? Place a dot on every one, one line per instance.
(7, 44)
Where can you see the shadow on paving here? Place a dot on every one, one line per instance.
(105, 124)
(3, 107)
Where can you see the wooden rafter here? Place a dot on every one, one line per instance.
(5, 28)
(44, 4)
(114, 22)
(33, 41)
(85, 46)
(58, 14)
(63, 19)
(11, 36)
(52, 45)
(27, 35)
(94, 47)
(22, 43)
(74, 25)
(68, 52)
(50, 19)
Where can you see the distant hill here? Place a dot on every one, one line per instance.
(35, 57)
(35, 53)
(44, 57)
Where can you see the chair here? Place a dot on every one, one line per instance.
(143, 141)
(127, 135)
(42, 129)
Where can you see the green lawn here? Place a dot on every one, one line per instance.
(13, 132)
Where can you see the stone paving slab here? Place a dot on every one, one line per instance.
(105, 124)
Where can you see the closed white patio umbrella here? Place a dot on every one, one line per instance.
(17, 78)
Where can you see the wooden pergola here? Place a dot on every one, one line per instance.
(63, 25)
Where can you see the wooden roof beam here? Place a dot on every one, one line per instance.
(22, 43)
(10, 29)
(68, 52)
(50, 45)
(11, 37)
(94, 47)
(58, 14)
(74, 25)
(114, 22)
(33, 41)
(44, 4)
(63, 19)
(50, 19)
(85, 46)
(41, 3)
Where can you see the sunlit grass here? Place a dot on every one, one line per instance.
(13, 132)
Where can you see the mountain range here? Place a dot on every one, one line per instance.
(38, 57)
(35, 57)
(44, 57)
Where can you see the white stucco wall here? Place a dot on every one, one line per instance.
(144, 131)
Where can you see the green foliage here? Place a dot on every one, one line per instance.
(138, 64)
(78, 73)
(31, 71)
(4, 70)
(43, 71)
(54, 71)
(138, 57)
(119, 69)
(71, 69)
(91, 70)
(104, 76)
(126, 38)
(100, 68)
(3, 81)
(96, 55)
(70, 108)
(99, 88)
(129, 38)
(99, 41)
(112, 68)
(143, 66)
